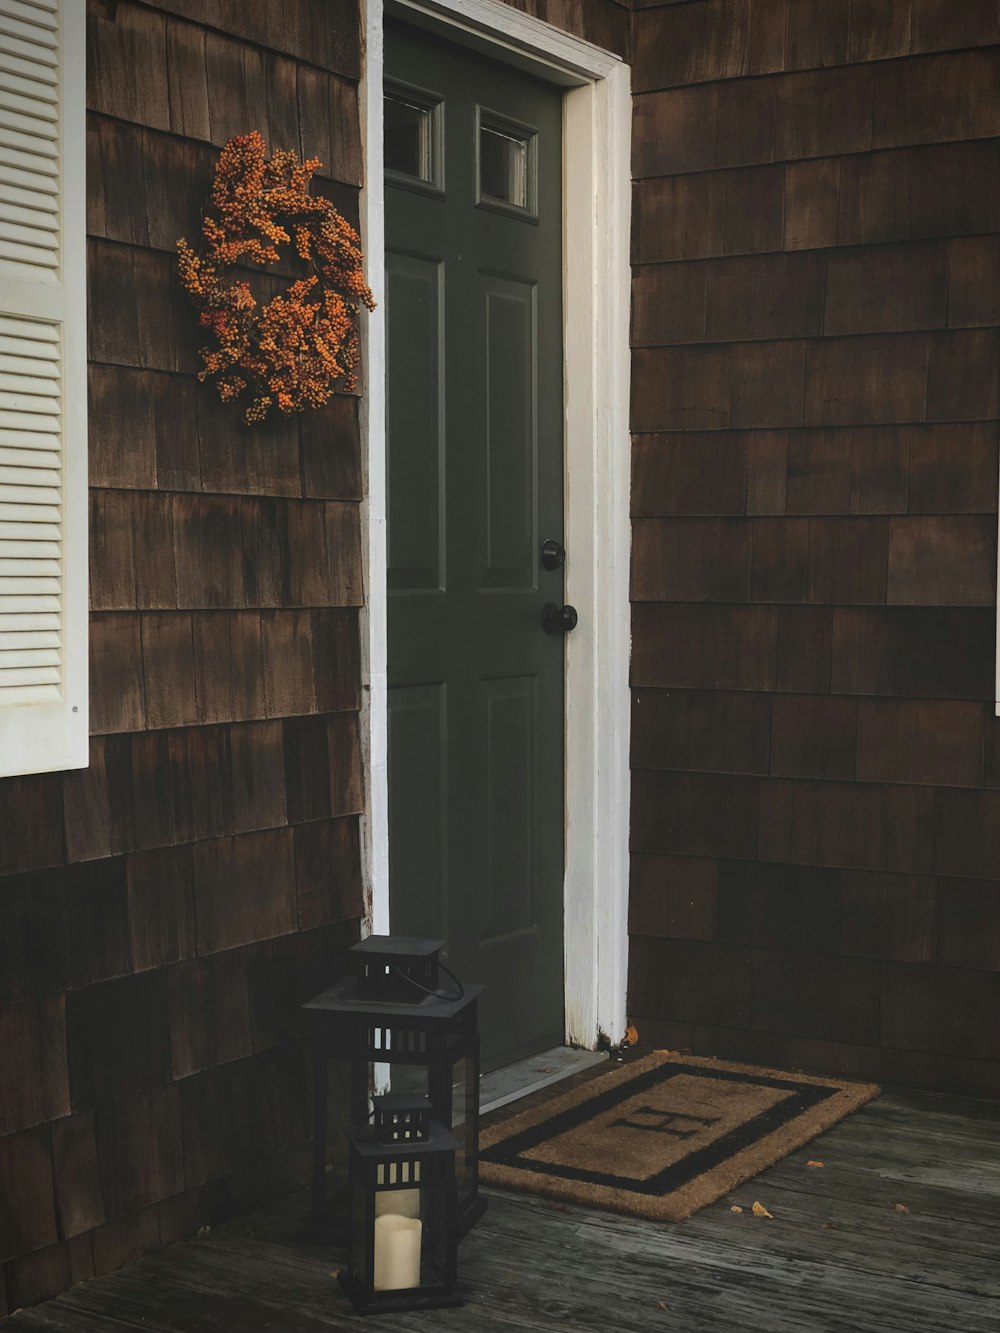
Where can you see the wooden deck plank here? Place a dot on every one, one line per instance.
(836, 1257)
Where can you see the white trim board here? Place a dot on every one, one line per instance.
(596, 120)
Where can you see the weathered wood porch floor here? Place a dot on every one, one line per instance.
(837, 1255)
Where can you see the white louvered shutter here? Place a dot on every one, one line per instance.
(43, 427)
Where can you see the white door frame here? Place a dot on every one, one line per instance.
(596, 121)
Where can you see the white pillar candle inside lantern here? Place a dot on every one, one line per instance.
(397, 1251)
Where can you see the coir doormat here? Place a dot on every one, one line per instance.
(663, 1136)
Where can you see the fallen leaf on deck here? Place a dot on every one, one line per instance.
(900, 1208)
(759, 1210)
(815, 1164)
(735, 1208)
(662, 1305)
(631, 1036)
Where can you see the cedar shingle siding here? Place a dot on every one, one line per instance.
(816, 820)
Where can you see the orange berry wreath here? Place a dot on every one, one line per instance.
(296, 349)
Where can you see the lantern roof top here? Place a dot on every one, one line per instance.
(410, 945)
(438, 1139)
(343, 999)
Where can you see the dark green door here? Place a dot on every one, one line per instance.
(475, 474)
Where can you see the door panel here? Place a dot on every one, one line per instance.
(510, 481)
(509, 744)
(475, 467)
(416, 482)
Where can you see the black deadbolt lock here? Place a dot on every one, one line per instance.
(553, 555)
(558, 619)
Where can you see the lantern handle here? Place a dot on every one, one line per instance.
(438, 995)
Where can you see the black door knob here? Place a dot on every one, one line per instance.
(558, 619)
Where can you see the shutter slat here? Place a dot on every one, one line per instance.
(29, 55)
(41, 15)
(30, 443)
(30, 358)
(13, 382)
(27, 421)
(35, 237)
(27, 348)
(36, 622)
(26, 640)
(21, 212)
(32, 365)
(25, 135)
(25, 567)
(32, 34)
(42, 112)
(46, 94)
(30, 532)
(29, 587)
(26, 125)
(27, 76)
(23, 261)
(27, 657)
(13, 516)
(30, 331)
(32, 202)
(26, 158)
(29, 184)
(40, 640)
(25, 476)
(29, 604)
(38, 675)
(36, 13)
(28, 457)
(35, 627)
(27, 387)
(50, 550)
(30, 495)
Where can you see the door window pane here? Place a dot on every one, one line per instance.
(506, 166)
(407, 138)
(503, 167)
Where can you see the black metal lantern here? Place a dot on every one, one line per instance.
(392, 1011)
(403, 1236)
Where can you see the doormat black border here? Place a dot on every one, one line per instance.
(509, 1152)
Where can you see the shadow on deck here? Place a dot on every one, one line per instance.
(837, 1254)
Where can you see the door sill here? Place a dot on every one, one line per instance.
(502, 1086)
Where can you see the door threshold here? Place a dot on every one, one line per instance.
(524, 1077)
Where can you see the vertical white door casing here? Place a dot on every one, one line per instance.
(43, 388)
(596, 118)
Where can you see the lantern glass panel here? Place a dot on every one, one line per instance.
(358, 1230)
(413, 1079)
(465, 1103)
